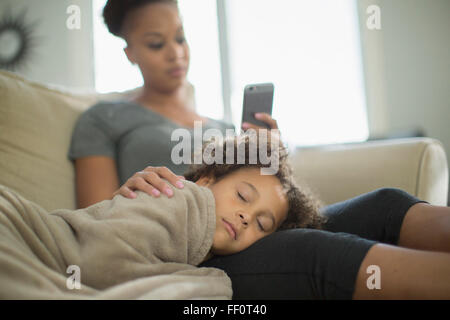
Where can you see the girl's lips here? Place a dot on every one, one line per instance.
(230, 229)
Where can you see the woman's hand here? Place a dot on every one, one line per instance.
(150, 181)
(264, 117)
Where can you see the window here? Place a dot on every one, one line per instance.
(310, 50)
(113, 71)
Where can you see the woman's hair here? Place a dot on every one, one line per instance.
(115, 11)
(303, 206)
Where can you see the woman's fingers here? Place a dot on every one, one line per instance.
(150, 180)
(126, 192)
(150, 183)
(170, 176)
(153, 179)
(264, 117)
(247, 125)
(267, 118)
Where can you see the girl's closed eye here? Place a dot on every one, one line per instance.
(260, 226)
(241, 196)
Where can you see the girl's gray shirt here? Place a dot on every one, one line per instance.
(134, 136)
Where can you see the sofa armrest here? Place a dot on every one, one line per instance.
(338, 172)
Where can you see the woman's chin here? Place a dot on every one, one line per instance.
(173, 85)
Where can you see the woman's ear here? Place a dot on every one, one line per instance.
(129, 52)
(205, 181)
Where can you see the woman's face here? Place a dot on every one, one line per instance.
(249, 206)
(156, 43)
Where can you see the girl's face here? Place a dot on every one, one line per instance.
(249, 206)
(156, 43)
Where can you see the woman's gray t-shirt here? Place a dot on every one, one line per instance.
(135, 136)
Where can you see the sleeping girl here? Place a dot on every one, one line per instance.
(122, 247)
(151, 248)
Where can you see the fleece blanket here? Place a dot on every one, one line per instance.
(142, 248)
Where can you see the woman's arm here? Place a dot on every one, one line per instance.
(96, 179)
(150, 181)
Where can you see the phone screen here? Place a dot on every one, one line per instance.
(257, 98)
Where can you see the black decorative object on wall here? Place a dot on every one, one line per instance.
(17, 40)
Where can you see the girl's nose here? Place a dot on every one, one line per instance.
(244, 219)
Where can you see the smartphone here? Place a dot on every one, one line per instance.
(257, 98)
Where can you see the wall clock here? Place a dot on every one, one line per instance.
(16, 41)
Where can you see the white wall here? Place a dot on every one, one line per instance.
(407, 66)
(61, 56)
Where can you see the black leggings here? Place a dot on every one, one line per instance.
(318, 264)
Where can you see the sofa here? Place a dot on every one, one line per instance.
(36, 122)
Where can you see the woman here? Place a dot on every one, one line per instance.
(113, 141)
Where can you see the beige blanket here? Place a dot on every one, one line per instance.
(143, 248)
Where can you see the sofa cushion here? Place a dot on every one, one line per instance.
(342, 171)
(35, 129)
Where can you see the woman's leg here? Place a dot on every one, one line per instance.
(392, 216)
(403, 274)
(296, 264)
(376, 215)
(426, 227)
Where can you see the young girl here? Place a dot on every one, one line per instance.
(123, 243)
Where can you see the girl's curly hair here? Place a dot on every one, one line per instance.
(303, 205)
(115, 11)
